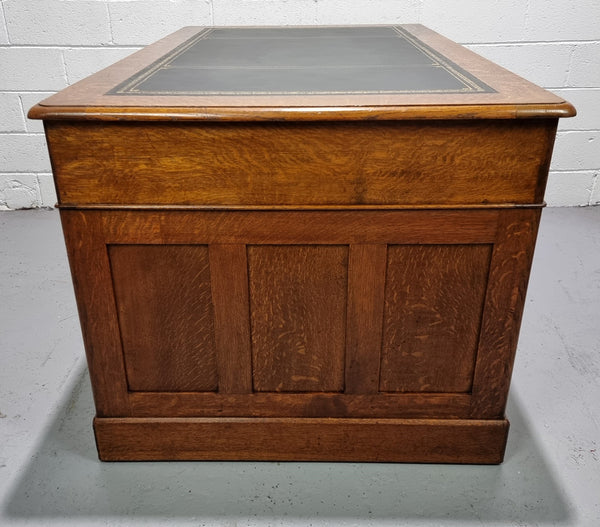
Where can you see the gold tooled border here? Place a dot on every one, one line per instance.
(132, 85)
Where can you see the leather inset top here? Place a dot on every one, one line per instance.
(327, 60)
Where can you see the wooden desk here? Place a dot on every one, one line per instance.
(301, 243)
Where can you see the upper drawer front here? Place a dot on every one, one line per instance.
(324, 163)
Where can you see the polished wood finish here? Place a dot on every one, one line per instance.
(293, 227)
(166, 320)
(297, 312)
(433, 304)
(505, 300)
(327, 404)
(415, 441)
(366, 285)
(411, 306)
(296, 277)
(514, 97)
(232, 319)
(362, 163)
(92, 281)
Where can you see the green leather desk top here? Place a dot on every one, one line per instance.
(328, 60)
(302, 73)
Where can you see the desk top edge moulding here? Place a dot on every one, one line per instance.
(301, 243)
(137, 87)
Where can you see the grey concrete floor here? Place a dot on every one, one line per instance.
(49, 473)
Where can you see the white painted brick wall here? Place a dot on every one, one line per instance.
(46, 45)
(469, 21)
(595, 199)
(47, 189)
(23, 150)
(57, 22)
(82, 62)
(587, 102)
(3, 31)
(26, 191)
(562, 20)
(28, 100)
(368, 11)
(544, 64)
(264, 12)
(13, 119)
(141, 22)
(19, 191)
(585, 64)
(31, 68)
(576, 150)
(566, 188)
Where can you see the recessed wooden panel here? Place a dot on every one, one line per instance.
(432, 316)
(298, 316)
(165, 311)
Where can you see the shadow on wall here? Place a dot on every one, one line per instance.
(65, 480)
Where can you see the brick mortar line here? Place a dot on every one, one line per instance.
(212, 12)
(587, 130)
(574, 88)
(531, 42)
(110, 24)
(72, 46)
(578, 170)
(28, 92)
(23, 112)
(4, 21)
(593, 190)
(568, 72)
(64, 65)
(576, 131)
(21, 133)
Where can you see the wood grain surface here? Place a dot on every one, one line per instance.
(316, 311)
(366, 285)
(312, 404)
(331, 277)
(433, 304)
(361, 163)
(91, 273)
(293, 227)
(298, 317)
(514, 95)
(504, 303)
(229, 270)
(287, 114)
(166, 316)
(432, 441)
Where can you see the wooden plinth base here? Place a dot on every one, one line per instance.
(309, 439)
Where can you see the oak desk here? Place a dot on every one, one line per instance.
(301, 243)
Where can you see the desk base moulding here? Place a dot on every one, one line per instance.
(302, 439)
